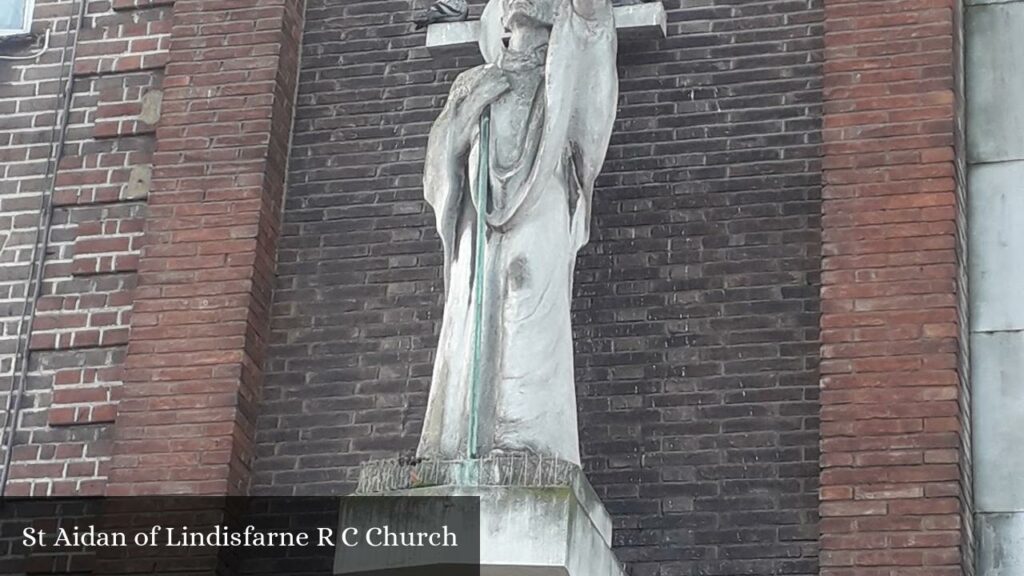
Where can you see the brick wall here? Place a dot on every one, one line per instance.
(895, 443)
(696, 304)
(101, 182)
(696, 309)
(193, 373)
(192, 100)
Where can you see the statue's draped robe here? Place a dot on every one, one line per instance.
(536, 223)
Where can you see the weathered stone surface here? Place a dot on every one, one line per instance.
(996, 241)
(555, 528)
(997, 374)
(498, 470)
(1000, 544)
(995, 82)
(995, 107)
(513, 470)
(151, 102)
(138, 183)
(513, 201)
(648, 20)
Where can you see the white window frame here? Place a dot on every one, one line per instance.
(26, 25)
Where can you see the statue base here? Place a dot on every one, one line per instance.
(538, 517)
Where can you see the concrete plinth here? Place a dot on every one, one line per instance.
(537, 517)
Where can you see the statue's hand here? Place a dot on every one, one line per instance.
(473, 91)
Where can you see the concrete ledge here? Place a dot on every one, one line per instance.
(648, 19)
(520, 470)
(528, 531)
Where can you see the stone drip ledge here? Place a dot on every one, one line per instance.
(515, 469)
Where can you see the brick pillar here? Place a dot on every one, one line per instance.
(193, 371)
(895, 488)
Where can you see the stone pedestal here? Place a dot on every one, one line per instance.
(537, 517)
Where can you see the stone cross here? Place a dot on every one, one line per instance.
(636, 21)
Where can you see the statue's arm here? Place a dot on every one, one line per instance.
(473, 91)
(451, 136)
(592, 9)
(449, 143)
(441, 164)
(441, 183)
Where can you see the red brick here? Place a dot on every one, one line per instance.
(891, 422)
(80, 395)
(853, 508)
(190, 350)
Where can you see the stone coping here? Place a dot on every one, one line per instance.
(510, 470)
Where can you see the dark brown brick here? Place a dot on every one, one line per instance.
(696, 303)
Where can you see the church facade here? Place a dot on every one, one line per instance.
(219, 276)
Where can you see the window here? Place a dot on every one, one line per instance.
(15, 17)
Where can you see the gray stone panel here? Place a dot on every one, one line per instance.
(997, 373)
(996, 208)
(1000, 544)
(995, 82)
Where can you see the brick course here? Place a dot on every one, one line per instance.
(895, 495)
(696, 305)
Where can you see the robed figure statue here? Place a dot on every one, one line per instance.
(510, 170)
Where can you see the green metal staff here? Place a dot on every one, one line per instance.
(482, 188)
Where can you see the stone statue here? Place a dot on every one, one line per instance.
(534, 123)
